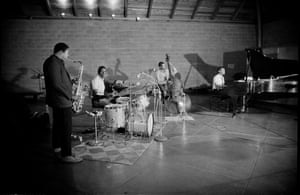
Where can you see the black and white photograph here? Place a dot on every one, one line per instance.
(156, 97)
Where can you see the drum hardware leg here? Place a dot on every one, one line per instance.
(95, 115)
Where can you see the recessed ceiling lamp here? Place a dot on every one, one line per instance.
(112, 4)
(90, 4)
(64, 4)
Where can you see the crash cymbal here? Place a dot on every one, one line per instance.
(134, 91)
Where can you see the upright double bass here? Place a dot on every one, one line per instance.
(175, 90)
(170, 81)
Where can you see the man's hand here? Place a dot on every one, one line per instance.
(75, 80)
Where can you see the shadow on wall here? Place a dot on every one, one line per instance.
(206, 70)
(14, 86)
(116, 74)
(112, 75)
(235, 64)
(22, 71)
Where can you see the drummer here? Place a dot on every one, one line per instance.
(100, 96)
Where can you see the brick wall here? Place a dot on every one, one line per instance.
(196, 49)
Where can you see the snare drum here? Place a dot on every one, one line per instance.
(115, 116)
(122, 100)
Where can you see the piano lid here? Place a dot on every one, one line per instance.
(264, 67)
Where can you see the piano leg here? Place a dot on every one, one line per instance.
(243, 108)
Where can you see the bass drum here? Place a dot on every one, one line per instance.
(178, 105)
(142, 127)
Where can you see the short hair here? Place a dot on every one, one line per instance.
(100, 69)
(220, 68)
(160, 64)
(60, 47)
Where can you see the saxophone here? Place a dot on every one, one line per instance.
(78, 95)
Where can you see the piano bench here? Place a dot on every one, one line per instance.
(219, 103)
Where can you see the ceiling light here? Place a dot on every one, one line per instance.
(90, 4)
(64, 4)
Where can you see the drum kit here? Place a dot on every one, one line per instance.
(131, 112)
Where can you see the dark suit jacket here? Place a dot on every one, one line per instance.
(58, 83)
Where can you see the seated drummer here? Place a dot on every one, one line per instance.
(100, 95)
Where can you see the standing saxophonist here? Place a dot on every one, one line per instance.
(59, 97)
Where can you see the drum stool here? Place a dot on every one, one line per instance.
(95, 114)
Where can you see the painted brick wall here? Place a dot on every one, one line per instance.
(196, 49)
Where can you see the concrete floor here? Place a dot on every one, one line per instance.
(254, 153)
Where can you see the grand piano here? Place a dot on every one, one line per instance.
(275, 76)
(267, 78)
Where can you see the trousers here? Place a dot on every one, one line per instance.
(62, 130)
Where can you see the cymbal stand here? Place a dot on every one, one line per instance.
(160, 137)
(158, 105)
(129, 122)
(155, 104)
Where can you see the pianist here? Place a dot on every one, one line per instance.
(218, 80)
(219, 88)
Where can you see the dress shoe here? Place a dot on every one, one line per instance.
(71, 159)
(56, 150)
(233, 115)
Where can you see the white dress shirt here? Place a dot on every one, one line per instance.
(98, 85)
(162, 76)
(218, 82)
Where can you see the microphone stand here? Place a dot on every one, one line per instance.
(130, 131)
(159, 111)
